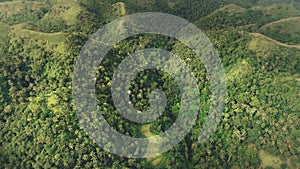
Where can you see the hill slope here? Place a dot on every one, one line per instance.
(250, 18)
(285, 30)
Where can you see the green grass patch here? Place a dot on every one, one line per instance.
(155, 160)
(269, 160)
(64, 10)
(120, 8)
(238, 71)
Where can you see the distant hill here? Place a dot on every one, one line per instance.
(252, 3)
(285, 30)
(23, 11)
(233, 16)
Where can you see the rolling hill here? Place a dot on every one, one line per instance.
(284, 30)
(250, 18)
(258, 42)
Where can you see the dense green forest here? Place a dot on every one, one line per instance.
(258, 42)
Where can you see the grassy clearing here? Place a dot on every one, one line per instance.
(70, 16)
(269, 160)
(66, 10)
(155, 160)
(238, 71)
(146, 130)
(120, 8)
(72, 7)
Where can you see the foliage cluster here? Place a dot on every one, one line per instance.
(39, 126)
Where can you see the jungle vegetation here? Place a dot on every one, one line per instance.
(259, 46)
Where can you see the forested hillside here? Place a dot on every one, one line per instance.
(258, 43)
